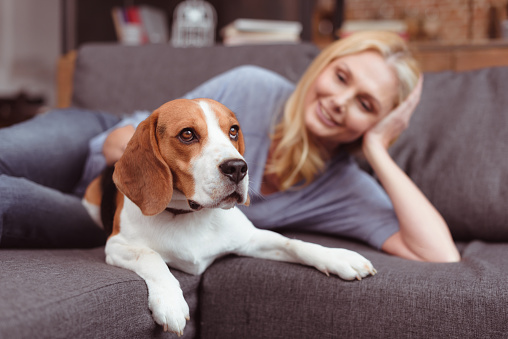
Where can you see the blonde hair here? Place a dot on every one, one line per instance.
(297, 157)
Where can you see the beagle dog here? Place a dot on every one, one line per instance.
(173, 203)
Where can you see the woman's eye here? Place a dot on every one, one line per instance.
(233, 132)
(342, 77)
(366, 105)
(187, 135)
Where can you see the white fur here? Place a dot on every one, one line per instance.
(94, 211)
(191, 242)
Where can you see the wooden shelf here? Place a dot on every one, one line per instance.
(461, 56)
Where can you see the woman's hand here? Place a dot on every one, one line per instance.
(115, 143)
(389, 128)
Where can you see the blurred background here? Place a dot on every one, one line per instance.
(38, 36)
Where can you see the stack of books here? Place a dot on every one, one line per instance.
(351, 26)
(137, 25)
(252, 31)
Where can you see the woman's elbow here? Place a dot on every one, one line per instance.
(451, 256)
(396, 245)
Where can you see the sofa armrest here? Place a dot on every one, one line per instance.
(64, 76)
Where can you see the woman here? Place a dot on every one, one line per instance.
(304, 175)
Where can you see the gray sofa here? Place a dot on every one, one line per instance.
(455, 149)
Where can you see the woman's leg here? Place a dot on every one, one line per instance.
(51, 149)
(36, 216)
(41, 161)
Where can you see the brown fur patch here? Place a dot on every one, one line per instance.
(141, 173)
(93, 193)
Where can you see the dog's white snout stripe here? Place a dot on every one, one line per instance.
(219, 141)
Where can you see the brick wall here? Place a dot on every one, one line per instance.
(457, 20)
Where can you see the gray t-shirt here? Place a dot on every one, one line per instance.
(343, 201)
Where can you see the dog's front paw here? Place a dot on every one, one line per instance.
(169, 308)
(347, 264)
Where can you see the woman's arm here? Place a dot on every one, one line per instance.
(115, 143)
(423, 234)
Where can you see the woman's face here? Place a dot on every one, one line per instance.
(348, 97)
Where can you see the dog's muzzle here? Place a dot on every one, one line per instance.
(229, 190)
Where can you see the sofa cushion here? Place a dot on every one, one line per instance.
(456, 148)
(75, 294)
(254, 298)
(120, 79)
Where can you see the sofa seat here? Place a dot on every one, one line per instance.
(252, 298)
(75, 294)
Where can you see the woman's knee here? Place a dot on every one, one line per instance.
(32, 215)
(51, 149)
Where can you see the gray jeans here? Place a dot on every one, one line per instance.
(41, 160)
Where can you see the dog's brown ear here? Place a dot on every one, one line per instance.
(141, 173)
(241, 142)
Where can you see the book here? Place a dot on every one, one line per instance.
(137, 25)
(252, 31)
(351, 26)
(155, 24)
(119, 20)
(255, 25)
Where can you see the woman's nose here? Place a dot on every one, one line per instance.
(341, 101)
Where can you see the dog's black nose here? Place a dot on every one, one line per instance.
(234, 169)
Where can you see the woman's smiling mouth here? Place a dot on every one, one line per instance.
(325, 117)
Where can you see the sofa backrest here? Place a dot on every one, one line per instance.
(120, 79)
(456, 150)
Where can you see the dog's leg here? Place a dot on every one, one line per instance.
(165, 297)
(346, 264)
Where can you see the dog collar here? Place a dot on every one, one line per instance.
(177, 211)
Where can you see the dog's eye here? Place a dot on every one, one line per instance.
(187, 135)
(233, 132)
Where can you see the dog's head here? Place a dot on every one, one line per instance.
(194, 146)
